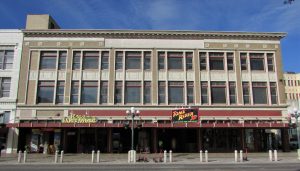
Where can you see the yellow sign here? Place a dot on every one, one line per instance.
(73, 118)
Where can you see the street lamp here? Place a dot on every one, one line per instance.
(132, 113)
(296, 114)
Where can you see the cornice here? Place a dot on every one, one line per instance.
(157, 34)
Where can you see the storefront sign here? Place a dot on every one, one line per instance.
(185, 115)
(73, 118)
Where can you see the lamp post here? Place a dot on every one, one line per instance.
(132, 113)
(296, 114)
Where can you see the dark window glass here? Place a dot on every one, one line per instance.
(103, 92)
(147, 92)
(243, 58)
(118, 91)
(62, 60)
(60, 90)
(133, 92)
(119, 60)
(5, 87)
(189, 60)
(147, 60)
(6, 59)
(204, 94)
(161, 60)
(45, 92)
(216, 61)
(259, 90)
(218, 92)
(76, 60)
(273, 93)
(232, 93)
(74, 92)
(190, 92)
(133, 60)
(175, 92)
(246, 93)
(48, 60)
(270, 61)
(161, 92)
(257, 61)
(175, 60)
(104, 60)
(90, 60)
(230, 61)
(202, 60)
(89, 91)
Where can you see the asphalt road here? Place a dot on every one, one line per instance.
(154, 167)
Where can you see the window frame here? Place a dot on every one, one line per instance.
(259, 85)
(50, 55)
(90, 55)
(175, 56)
(257, 56)
(2, 83)
(45, 84)
(135, 55)
(179, 85)
(59, 84)
(133, 84)
(204, 86)
(105, 55)
(74, 86)
(214, 57)
(86, 85)
(118, 97)
(3, 62)
(103, 94)
(217, 85)
(147, 85)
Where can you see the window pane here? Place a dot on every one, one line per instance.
(118, 91)
(104, 60)
(175, 93)
(257, 64)
(204, 96)
(218, 95)
(147, 60)
(74, 92)
(216, 64)
(260, 95)
(133, 60)
(175, 60)
(89, 92)
(45, 93)
(76, 60)
(161, 60)
(190, 92)
(147, 92)
(48, 60)
(133, 92)
(161, 92)
(90, 60)
(103, 92)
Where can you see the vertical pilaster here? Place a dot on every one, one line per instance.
(196, 68)
(111, 81)
(237, 68)
(154, 83)
(68, 76)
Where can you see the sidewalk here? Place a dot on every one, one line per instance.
(178, 158)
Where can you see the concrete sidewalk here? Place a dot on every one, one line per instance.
(178, 158)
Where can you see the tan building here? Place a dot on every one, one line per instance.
(195, 90)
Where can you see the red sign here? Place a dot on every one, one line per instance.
(185, 115)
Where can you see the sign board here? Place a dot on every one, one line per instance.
(73, 118)
(185, 115)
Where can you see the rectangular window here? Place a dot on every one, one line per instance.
(216, 61)
(273, 92)
(104, 60)
(90, 60)
(175, 92)
(218, 92)
(48, 60)
(232, 95)
(103, 92)
(259, 90)
(204, 94)
(89, 91)
(257, 61)
(60, 91)
(270, 58)
(246, 93)
(6, 59)
(147, 92)
(230, 62)
(74, 92)
(147, 60)
(133, 60)
(161, 92)
(243, 58)
(161, 60)
(118, 92)
(62, 60)
(189, 60)
(202, 56)
(133, 92)
(119, 60)
(190, 92)
(175, 60)
(5, 86)
(45, 92)
(76, 60)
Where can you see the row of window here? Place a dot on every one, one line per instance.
(5, 86)
(293, 96)
(6, 59)
(172, 92)
(142, 60)
(292, 82)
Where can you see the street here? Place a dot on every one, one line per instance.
(153, 167)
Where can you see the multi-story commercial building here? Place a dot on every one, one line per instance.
(76, 85)
(10, 58)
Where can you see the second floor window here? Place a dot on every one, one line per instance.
(60, 90)
(89, 91)
(133, 92)
(48, 60)
(147, 92)
(216, 61)
(257, 61)
(175, 92)
(190, 92)
(259, 90)
(103, 92)
(90, 60)
(6, 59)
(74, 92)
(273, 90)
(204, 94)
(161, 92)
(45, 92)
(232, 94)
(118, 92)
(133, 60)
(5, 86)
(175, 60)
(246, 93)
(218, 92)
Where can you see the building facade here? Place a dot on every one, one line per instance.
(10, 58)
(76, 85)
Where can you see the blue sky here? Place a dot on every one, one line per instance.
(208, 15)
